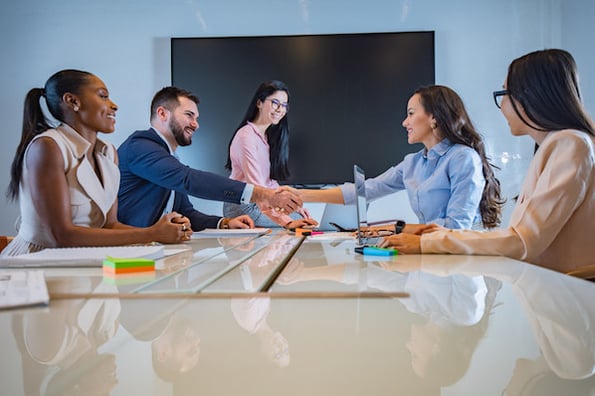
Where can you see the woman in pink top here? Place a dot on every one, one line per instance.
(552, 224)
(259, 154)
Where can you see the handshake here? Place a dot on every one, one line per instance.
(283, 201)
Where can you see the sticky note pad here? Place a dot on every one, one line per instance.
(127, 265)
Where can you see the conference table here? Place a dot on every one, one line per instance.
(280, 314)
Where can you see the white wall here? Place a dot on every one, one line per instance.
(126, 43)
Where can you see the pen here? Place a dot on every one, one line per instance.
(309, 233)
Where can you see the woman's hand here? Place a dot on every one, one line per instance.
(172, 228)
(404, 243)
(301, 223)
(419, 229)
(304, 213)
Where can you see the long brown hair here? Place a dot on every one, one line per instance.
(453, 121)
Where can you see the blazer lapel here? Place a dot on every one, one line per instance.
(104, 195)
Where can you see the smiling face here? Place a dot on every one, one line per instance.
(96, 111)
(418, 123)
(183, 121)
(272, 109)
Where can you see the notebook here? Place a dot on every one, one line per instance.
(359, 180)
(23, 288)
(230, 232)
(82, 256)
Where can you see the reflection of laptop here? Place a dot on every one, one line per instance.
(341, 215)
(359, 179)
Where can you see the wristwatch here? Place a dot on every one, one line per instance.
(225, 223)
(399, 225)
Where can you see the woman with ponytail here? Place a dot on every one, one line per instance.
(66, 178)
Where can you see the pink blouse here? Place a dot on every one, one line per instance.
(250, 163)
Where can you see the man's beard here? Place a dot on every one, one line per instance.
(178, 132)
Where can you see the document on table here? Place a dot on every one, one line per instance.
(23, 288)
(230, 232)
(83, 256)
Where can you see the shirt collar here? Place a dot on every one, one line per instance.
(80, 145)
(256, 131)
(164, 139)
(439, 149)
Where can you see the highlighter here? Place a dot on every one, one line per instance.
(376, 251)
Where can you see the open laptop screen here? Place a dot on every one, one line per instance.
(340, 214)
(359, 180)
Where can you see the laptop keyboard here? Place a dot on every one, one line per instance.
(370, 241)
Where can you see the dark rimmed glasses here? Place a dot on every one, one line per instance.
(498, 97)
(276, 105)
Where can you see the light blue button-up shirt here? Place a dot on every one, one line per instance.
(444, 184)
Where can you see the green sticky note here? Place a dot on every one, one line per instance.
(127, 262)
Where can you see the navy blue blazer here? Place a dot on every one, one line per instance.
(148, 173)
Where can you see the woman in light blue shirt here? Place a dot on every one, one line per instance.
(450, 181)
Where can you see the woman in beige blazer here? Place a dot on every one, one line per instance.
(553, 222)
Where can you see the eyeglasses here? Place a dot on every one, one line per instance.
(276, 105)
(498, 97)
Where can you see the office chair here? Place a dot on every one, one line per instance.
(587, 272)
(4, 240)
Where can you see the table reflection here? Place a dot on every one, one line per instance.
(59, 347)
(251, 315)
(449, 314)
(561, 313)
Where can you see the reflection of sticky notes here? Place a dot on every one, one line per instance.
(127, 265)
(128, 279)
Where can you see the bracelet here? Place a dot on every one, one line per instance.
(399, 225)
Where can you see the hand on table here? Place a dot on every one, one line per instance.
(242, 221)
(404, 243)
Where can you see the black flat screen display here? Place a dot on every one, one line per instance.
(348, 96)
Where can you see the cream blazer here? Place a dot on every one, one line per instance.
(553, 223)
(90, 199)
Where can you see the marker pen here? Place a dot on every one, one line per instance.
(375, 251)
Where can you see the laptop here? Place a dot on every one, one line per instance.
(337, 216)
(359, 180)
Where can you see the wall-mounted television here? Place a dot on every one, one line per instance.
(348, 96)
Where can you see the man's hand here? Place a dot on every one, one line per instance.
(242, 221)
(284, 199)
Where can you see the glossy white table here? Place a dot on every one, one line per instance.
(470, 326)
